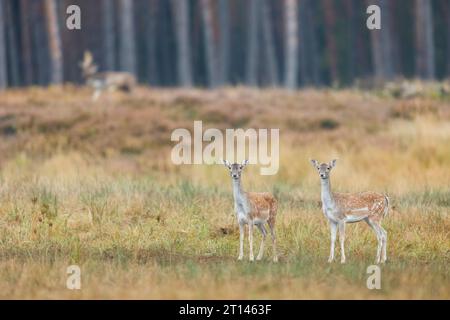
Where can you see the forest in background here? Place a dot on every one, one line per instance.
(211, 43)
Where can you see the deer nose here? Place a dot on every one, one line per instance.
(235, 175)
(322, 175)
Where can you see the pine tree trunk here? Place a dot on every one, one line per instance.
(40, 40)
(127, 41)
(152, 69)
(381, 44)
(181, 13)
(424, 40)
(224, 21)
(211, 52)
(252, 42)
(269, 44)
(351, 32)
(304, 43)
(25, 16)
(13, 51)
(291, 40)
(54, 39)
(109, 40)
(313, 43)
(3, 63)
(331, 45)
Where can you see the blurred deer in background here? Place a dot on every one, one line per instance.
(342, 208)
(253, 209)
(101, 81)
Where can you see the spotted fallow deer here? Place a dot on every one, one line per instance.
(101, 81)
(252, 208)
(342, 208)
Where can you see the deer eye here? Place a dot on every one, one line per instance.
(240, 167)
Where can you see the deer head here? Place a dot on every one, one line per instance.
(324, 169)
(235, 168)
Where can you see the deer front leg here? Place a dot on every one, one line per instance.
(333, 231)
(241, 241)
(342, 240)
(250, 240)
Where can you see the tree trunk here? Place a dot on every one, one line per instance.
(127, 41)
(211, 52)
(381, 44)
(252, 41)
(224, 21)
(54, 39)
(3, 70)
(40, 40)
(331, 45)
(25, 16)
(446, 9)
(351, 42)
(424, 40)
(181, 14)
(313, 43)
(304, 44)
(13, 50)
(269, 44)
(109, 44)
(291, 39)
(152, 69)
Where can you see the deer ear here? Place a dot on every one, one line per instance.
(244, 163)
(333, 163)
(314, 163)
(227, 164)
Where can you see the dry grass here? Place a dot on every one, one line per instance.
(92, 184)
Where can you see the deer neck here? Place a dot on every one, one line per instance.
(326, 195)
(238, 193)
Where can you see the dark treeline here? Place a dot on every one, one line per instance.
(290, 43)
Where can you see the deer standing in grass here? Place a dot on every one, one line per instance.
(342, 208)
(102, 81)
(253, 209)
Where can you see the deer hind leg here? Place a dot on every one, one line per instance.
(261, 247)
(271, 224)
(384, 243)
(342, 240)
(377, 229)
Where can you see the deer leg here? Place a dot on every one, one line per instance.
(342, 240)
(241, 241)
(333, 231)
(250, 239)
(376, 228)
(261, 247)
(384, 242)
(271, 224)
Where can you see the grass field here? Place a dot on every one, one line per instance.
(92, 184)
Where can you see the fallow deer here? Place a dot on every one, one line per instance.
(101, 81)
(252, 208)
(342, 208)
